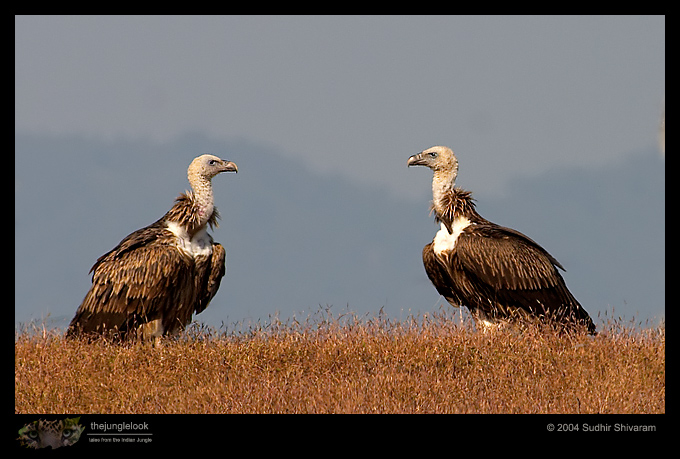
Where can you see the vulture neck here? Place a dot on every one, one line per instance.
(202, 197)
(442, 186)
(452, 205)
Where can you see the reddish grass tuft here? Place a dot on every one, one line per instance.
(344, 364)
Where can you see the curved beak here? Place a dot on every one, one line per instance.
(417, 160)
(228, 166)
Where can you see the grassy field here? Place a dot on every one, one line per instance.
(433, 364)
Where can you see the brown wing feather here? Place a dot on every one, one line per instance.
(500, 274)
(210, 271)
(438, 275)
(510, 273)
(144, 278)
(506, 259)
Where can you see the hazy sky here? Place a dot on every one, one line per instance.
(516, 97)
(355, 95)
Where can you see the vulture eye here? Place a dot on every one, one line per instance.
(433, 154)
(212, 162)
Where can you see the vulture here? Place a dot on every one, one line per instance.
(499, 274)
(152, 283)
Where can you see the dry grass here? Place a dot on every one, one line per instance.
(346, 365)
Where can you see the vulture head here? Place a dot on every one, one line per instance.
(208, 166)
(439, 159)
